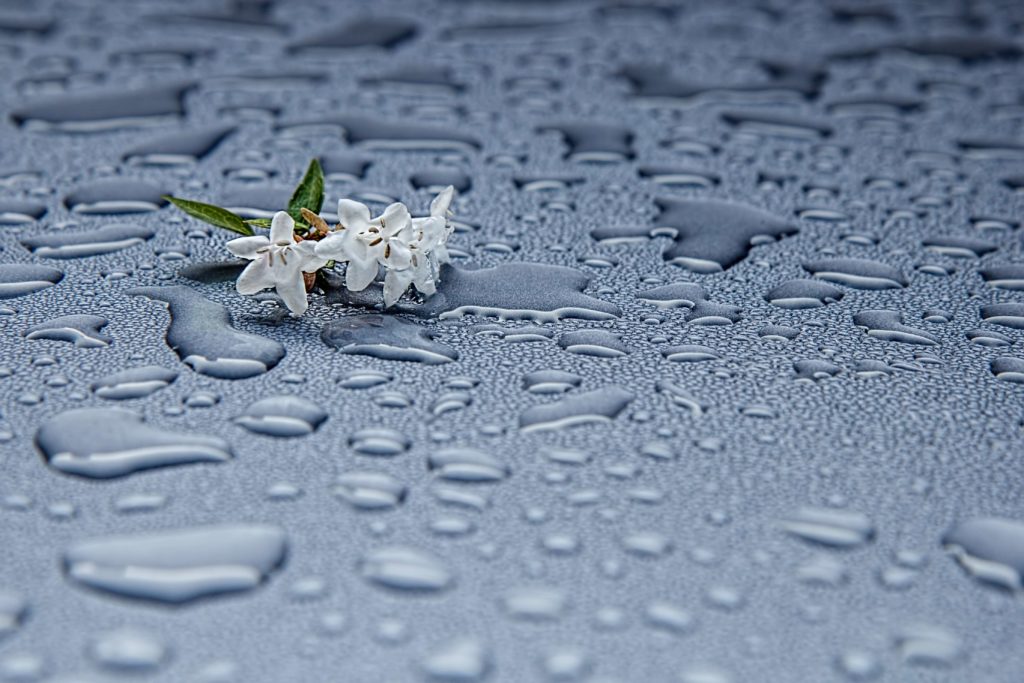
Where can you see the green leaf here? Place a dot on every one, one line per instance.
(310, 192)
(214, 215)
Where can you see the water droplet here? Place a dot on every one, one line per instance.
(991, 549)
(200, 332)
(364, 379)
(179, 148)
(449, 402)
(647, 544)
(598, 406)
(386, 337)
(515, 291)
(370, 490)
(81, 330)
(379, 442)
(282, 416)
(105, 240)
(463, 660)
(800, 294)
(859, 665)
(665, 616)
(689, 353)
(88, 113)
(834, 528)
(681, 397)
(815, 370)
(100, 443)
(116, 197)
(550, 381)
(595, 142)
(133, 383)
(405, 569)
(178, 566)
(888, 325)
(928, 645)
(128, 650)
(19, 279)
(599, 343)
(858, 273)
(959, 247)
(534, 603)
(567, 664)
(1008, 314)
(468, 465)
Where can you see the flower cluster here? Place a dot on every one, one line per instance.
(410, 250)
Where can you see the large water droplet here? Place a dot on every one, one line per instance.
(178, 566)
(991, 549)
(516, 291)
(105, 240)
(101, 112)
(383, 336)
(200, 332)
(888, 325)
(81, 330)
(101, 443)
(600, 405)
(859, 273)
(115, 197)
(19, 279)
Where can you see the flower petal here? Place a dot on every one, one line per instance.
(336, 246)
(359, 274)
(292, 291)
(439, 206)
(352, 214)
(399, 255)
(256, 276)
(440, 255)
(309, 261)
(432, 230)
(394, 219)
(246, 246)
(395, 284)
(360, 249)
(423, 280)
(282, 228)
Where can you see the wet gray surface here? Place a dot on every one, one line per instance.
(723, 383)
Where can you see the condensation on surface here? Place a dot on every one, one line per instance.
(723, 383)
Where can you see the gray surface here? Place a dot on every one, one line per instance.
(649, 523)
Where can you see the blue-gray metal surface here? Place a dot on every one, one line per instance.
(724, 383)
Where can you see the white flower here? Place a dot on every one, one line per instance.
(411, 250)
(419, 274)
(367, 243)
(278, 262)
(435, 229)
(426, 241)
